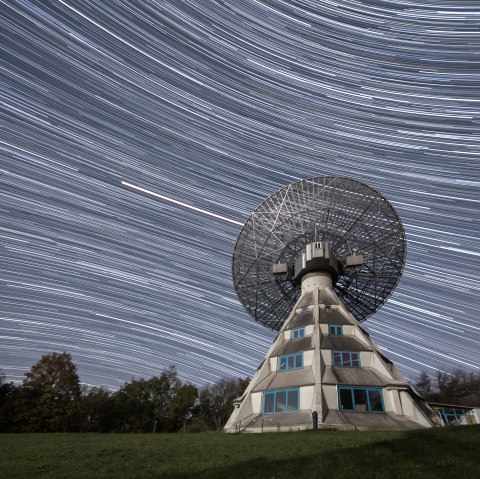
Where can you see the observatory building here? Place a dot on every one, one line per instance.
(313, 261)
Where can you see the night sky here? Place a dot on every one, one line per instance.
(213, 106)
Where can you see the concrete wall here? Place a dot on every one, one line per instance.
(392, 402)
(308, 358)
(378, 364)
(273, 362)
(411, 410)
(476, 414)
(307, 398)
(331, 396)
(256, 402)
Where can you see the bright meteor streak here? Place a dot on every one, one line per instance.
(185, 205)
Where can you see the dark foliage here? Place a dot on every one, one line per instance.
(51, 400)
(161, 403)
(216, 403)
(457, 387)
(8, 393)
(97, 407)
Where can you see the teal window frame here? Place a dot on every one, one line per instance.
(298, 333)
(452, 415)
(281, 401)
(290, 361)
(335, 330)
(343, 393)
(346, 359)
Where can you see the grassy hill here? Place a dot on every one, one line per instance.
(451, 453)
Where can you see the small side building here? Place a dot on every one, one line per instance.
(454, 415)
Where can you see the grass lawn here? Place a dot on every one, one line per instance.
(451, 453)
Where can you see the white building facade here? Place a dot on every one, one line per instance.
(324, 371)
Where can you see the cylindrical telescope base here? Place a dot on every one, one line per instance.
(318, 279)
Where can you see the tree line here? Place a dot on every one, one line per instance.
(457, 387)
(51, 399)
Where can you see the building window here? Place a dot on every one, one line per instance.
(287, 400)
(290, 361)
(355, 399)
(335, 330)
(454, 416)
(346, 359)
(298, 333)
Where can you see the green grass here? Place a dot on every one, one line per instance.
(451, 453)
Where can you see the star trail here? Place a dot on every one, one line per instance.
(138, 136)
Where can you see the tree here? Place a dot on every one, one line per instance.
(51, 395)
(216, 401)
(134, 407)
(161, 403)
(51, 400)
(7, 402)
(454, 387)
(424, 385)
(182, 405)
(458, 387)
(97, 406)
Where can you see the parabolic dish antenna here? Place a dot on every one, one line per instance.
(355, 221)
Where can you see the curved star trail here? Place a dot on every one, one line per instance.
(213, 106)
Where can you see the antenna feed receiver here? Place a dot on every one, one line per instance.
(352, 260)
(317, 257)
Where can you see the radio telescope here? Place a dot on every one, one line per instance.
(356, 222)
(313, 261)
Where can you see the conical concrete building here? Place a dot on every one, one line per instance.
(323, 370)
